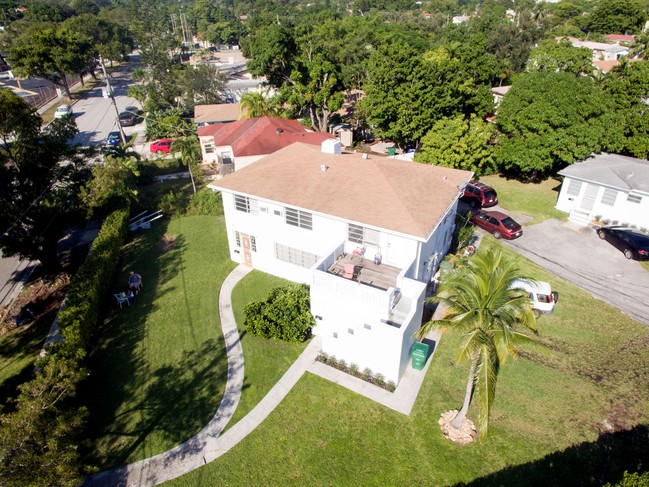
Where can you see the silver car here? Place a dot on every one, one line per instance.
(63, 111)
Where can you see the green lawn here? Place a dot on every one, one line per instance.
(535, 200)
(160, 370)
(577, 417)
(265, 361)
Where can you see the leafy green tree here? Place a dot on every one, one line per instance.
(254, 105)
(628, 87)
(478, 302)
(47, 11)
(460, 143)
(112, 185)
(203, 85)
(167, 123)
(190, 154)
(307, 77)
(110, 39)
(406, 93)
(615, 16)
(551, 120)
(551, 55)
(50, 53)
(38, 441)
(37, 195)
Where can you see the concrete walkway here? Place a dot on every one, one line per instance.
(209, 444)
(191, 454)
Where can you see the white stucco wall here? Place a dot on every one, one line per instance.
(623, 210)
(343, 307)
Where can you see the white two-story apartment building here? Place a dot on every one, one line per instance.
(366, 233)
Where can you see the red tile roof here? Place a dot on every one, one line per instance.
(260, 136)
(620, 37)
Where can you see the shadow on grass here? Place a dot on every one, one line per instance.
(593, 463)
(168, 403)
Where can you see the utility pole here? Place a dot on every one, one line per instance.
(112, 99)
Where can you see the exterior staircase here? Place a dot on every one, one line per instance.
(579, 217)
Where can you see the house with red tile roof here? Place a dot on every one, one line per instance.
(235, 145)
(367, 233)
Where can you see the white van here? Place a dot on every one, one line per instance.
(542, 298)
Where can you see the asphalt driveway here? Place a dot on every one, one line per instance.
(577, 255)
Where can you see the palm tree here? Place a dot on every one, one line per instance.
(255, 105)
(190, 153)
(478, 301)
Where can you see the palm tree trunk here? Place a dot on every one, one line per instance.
(191, 176)
(457, 421)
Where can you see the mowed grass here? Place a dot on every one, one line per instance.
(536, 200)
(160, 370)
(576, 417)
(265, 361)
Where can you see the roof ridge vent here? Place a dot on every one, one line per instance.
(279, 131)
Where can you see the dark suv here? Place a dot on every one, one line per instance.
(479, 195)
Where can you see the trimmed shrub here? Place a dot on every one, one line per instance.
(284, 315)
(205, 202)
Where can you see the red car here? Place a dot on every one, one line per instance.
(162, 145)
(479, 195)
(497, 223)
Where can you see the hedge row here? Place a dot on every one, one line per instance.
(79, 317)
(39, 439)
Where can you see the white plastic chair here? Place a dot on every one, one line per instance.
(122, 298)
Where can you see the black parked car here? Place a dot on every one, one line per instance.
(130, 116)
(633, 243)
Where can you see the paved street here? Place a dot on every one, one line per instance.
(96, 116)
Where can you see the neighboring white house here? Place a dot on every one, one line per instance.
(366, 233)
(610, 186)
(601, 50)
(237, 144)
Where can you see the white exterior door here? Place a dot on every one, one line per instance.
(588, 200)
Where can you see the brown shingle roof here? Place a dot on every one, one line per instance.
(222, 112)
(260, 136)
(404, 197)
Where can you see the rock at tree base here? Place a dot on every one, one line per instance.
(463, 435)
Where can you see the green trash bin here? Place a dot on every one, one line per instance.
(419, 353)
(392, 151)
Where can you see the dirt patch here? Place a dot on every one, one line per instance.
(168, 242)
(39, 300)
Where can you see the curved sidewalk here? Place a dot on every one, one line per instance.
(192, 454)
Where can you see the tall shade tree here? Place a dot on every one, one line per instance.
(618, 16)
(551, 55)
(628, 86)
(407, 92)
(493, 319)
(303, 72)
(51, 53)
(38, 195)
(550, 120)
(460, 143)
(190, 154)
